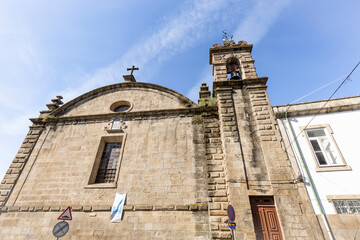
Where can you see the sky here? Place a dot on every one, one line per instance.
(50, 48)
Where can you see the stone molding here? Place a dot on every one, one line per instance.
(140, 115)
(105, 208)
(237, 84)
(126, 85)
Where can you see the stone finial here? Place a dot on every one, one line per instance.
(56, 102)
(204, 91)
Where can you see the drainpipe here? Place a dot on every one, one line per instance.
(307, 173)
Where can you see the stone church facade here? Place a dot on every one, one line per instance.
(180, 163)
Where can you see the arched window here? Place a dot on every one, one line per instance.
(233, 69)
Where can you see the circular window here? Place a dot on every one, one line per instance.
(121, 106)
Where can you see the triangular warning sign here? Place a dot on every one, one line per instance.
(66, 215)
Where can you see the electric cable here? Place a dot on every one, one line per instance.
(342, 83)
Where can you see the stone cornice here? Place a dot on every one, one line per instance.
(107, 208)
(247, 83)
(310, 108)
(139, 115)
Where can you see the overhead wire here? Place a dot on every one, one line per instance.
(317, 113)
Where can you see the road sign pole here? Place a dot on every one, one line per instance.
(232, 233)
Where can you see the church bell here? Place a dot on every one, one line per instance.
(234, 76)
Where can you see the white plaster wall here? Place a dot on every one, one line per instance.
(346, 132)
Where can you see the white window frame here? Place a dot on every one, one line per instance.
(341, 163)
(331, 199)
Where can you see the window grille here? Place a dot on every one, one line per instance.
(109, 163)
(347, 206)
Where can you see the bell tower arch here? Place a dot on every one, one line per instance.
(232, 58)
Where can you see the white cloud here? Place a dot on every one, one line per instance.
(177, 33)
(251, 29)
(260, 20)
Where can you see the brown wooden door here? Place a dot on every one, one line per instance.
(266, 222)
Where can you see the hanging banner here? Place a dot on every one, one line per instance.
(117, 208)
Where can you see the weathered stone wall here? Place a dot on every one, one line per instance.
(163, 171)
(220, 54)
(157, 166)
(142, 99)
(217, 186)
(255, 162)
(84, 226)
(293, 220)
(343, 226)
(18, 164)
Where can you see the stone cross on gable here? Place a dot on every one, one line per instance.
(132, 69)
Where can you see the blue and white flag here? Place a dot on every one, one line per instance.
(117, 208)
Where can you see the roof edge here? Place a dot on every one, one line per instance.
(342, 104)
(94, 92)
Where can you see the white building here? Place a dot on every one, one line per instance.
(321, 139)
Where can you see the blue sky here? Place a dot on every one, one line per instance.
(66, 47)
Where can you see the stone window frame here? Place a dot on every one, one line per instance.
(116, 104)
(329, 133)
(119, 138)
(330, 199)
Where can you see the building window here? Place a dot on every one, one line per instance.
(347, 206)
(108, 164)
(323, 149)
(121, 106)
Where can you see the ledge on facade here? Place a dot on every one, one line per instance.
(248, 82)
(342, 104)
(105, 208)
(181, 112)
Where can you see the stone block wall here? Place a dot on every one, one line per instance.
(217, 185)
(164, 171)
(157, 165)
(21, 225)
(18, 164)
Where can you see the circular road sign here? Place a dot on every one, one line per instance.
(231, 213)
(60, 229)
(232, 225)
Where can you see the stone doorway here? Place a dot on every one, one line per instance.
(265, 218)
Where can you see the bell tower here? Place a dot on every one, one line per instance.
(234, 59)
(260, 182)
